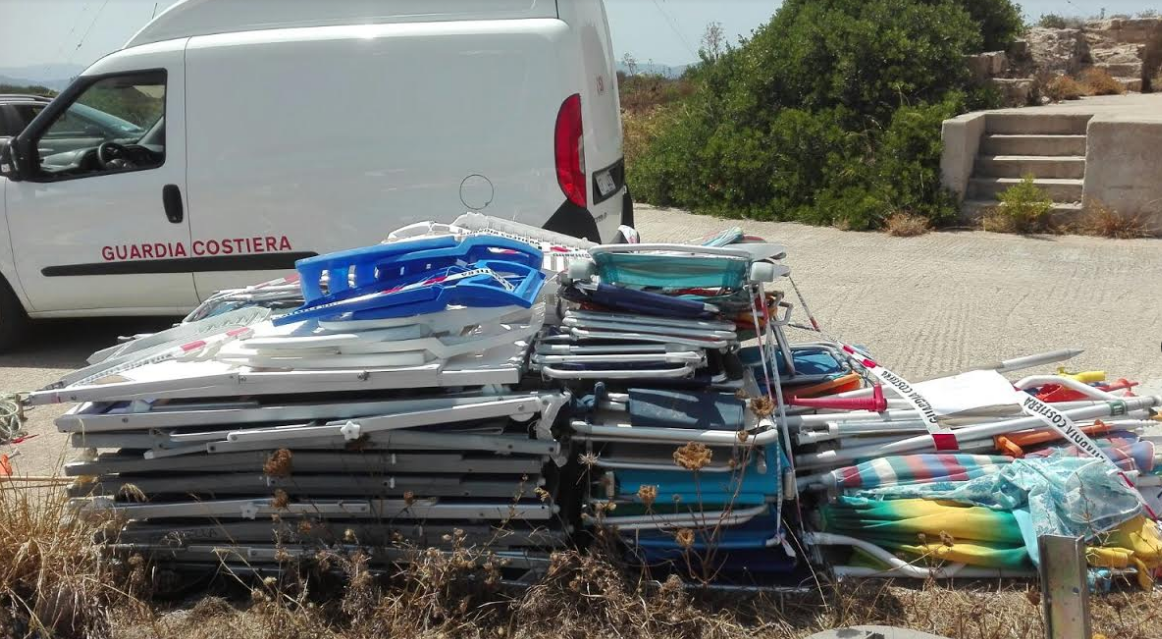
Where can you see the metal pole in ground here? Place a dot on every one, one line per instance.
(1064, 587)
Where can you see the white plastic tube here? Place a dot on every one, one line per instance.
(625, 432)
(899, 567)
(924, 442)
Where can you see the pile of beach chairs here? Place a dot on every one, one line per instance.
(489, 384)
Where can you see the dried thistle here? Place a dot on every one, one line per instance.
(281, 499)
(684, 538)
(133, 493)
(349, 536)
(648, 494)
(409, 498)
(762, 406)
(589, 460)
(693, 456)
(278, 464)
(743, 435)
(541, 493)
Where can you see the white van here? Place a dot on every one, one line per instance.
(237, 136)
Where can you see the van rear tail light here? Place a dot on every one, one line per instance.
(569, 149)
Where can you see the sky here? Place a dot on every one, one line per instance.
(78, 32)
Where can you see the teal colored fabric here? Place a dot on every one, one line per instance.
(670, 271)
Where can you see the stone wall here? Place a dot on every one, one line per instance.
(1124, 165)
(1128, 49)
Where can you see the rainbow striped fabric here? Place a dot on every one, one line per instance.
(904, 470)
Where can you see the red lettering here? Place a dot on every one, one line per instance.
(134, 252)
(271, 244)
(162, 249)
(284, 244)
(227, 247)
(179, 250)
(258, 247)
(147, 250)
(199, 247)
(212, 247)
(107, 253)
(121, 252)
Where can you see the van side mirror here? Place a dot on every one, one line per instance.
(8, 168)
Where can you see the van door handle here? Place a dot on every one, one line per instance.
(171, 198)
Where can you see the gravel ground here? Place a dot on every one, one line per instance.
(923, 305)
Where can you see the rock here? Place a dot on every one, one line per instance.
(1131, 84)
(987, 65)
(1016, 91)
(1057, 50)
(1123, 31)
(1019, 49)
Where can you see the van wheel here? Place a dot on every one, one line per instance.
(13, 319)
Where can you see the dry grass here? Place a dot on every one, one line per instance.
(1102, 221)
(1063, 87)
(53, 579)
(1098, 81)
(906, 225)
(55, 583)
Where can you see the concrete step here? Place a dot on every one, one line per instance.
(1058, 189)
(1131, 84)
(1030, 123)
(1026, 144)
(1121, 69)
(974, 210)
(1039, 166)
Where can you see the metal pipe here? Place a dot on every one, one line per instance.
(1003, 366)
(924, 442)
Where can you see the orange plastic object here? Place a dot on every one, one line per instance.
(1055, 393)
(1014, 444)
(875, 403)
(851, 381)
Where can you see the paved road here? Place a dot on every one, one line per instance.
(922, 305)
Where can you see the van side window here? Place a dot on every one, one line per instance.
(116, 124)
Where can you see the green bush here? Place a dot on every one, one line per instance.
(829, 114)
(1024, 208)
(999, 20)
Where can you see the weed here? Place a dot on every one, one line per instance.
(1055, 21)
(1024, 208)
(1098, 81)
(1063, 88)
(54, 581)
(906, 225)
(1101, 220)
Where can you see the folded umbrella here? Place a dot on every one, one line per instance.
(912, 469)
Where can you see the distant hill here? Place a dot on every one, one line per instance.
(53, 76)
(664, 70)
